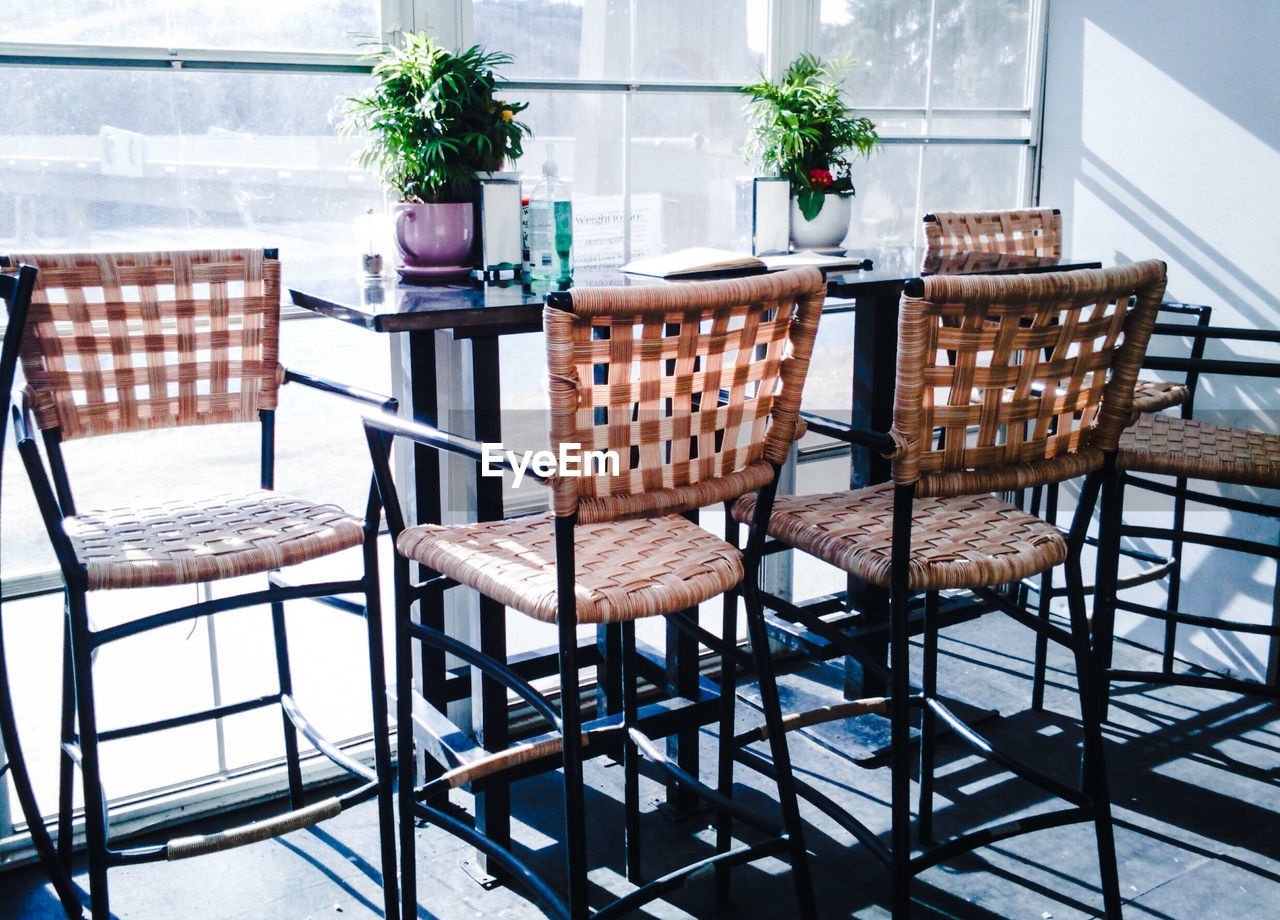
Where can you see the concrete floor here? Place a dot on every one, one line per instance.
(1195, 784)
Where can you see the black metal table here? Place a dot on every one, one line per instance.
(439, 317)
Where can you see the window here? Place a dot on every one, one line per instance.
(953, 86)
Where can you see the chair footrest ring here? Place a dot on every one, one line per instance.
(198, 845)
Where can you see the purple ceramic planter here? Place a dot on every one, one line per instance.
(434, 235)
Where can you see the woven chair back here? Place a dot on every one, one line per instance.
(1030, 232)
(1009, 381)
(121, 342)
(638, 373)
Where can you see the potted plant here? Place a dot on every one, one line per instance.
(801, 128)
(432, 122)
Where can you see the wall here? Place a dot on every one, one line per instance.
(1162, 138)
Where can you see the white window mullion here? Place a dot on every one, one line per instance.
(794, 26)
(1036, 59)
(396, 16)
(450, 21)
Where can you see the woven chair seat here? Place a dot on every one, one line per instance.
(1173, 446)
(1158, 395)
(625, 569)
(181, 543)
(968, 541)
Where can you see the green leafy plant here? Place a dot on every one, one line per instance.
(432, 120)
(801, 128)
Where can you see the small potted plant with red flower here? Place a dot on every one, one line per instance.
(802, 129)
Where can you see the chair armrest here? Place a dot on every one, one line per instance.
(1213, 366)
(422, 433)
(875, 440)
(46, 500)
(368, 397)
(23, 422)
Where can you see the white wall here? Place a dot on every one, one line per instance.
(1162, 139)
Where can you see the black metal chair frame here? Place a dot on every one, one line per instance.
(15, 291)
(80, 735)
(1183, 492)
(626, 735)
(1152, 566)
(912, 615)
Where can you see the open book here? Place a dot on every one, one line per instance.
(701, 260)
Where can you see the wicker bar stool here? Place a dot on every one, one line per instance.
(125, 342)
(1029, 232)
(1149, 396)
(1197, 455)
(1004, 382)
(639, 374)
(973, 241)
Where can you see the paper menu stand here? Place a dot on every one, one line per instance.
(763, 215)
(500, 241)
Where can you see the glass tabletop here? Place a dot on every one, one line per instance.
(392, 305)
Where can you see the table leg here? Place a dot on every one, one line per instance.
(609, 671)
(489, 698)
(413, 359)
(875, 351)
(682, 680)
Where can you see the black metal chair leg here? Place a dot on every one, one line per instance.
(1045, 603)
(381, 730)
(928, 719)
(630, 755)
(575, 818)
(95, 812)
(899, 711)
(1175, 572)
(1093, 763)
(728, 705)
(406, 758)
(1105, 580)
(66, 766)
(772, 706)
(292, 762)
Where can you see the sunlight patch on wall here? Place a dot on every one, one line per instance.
(1196, 176)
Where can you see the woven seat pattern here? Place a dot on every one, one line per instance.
(1001, 378)
(1031, 232)
(1185, 447)
(1158, 395)
(129, 341)
(639, 373)
(624, 569)
(956, 542)
(187, 542)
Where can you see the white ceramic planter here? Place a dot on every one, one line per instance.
(827, 230)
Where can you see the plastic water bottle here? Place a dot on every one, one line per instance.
(550, 227)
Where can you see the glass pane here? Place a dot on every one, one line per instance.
(711, 41)
(543, 36)
(146, 159)
(284, 25)
(890, 41)
(686, 152)
(22, 534)
(979, 126)
(973, 177)
(884, 206)
(980, 53)
(661, 40)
